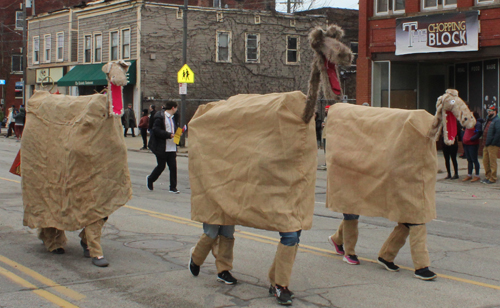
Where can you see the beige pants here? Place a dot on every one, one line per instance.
(281, 269)
(223, 252)
(418, 244)
(52, 238)
(347, 235)
(490, 154)
(91, 236)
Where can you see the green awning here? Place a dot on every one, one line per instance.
(92, 75)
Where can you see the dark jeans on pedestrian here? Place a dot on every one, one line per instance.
(10, 129)
(165, 158)
(450, 151)
(144, 135)
(290, 238)
(471, 154)
(125, 130)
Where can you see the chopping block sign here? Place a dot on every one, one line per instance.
(185, 75)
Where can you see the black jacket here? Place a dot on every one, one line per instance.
(493, 136)
(158, 134)
(151, 120)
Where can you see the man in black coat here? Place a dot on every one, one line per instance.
(162, 145)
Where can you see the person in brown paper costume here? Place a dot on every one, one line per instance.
(263, 176)
(74, 164)
(372, 173)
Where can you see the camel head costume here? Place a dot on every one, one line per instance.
(74, 157)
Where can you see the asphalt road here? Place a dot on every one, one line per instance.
(147, 243)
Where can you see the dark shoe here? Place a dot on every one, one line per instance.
(58, 251)
(425, 274)
(86, 251)
(339, 249)
(193, 268)
(226, 277)
(486, 181)
(102, 262)
(174, 191)
(143, 148)
(272, 292)
(455, 177)
(490, 182)
(351, 259)
(448, 177)
(283, 295)
(390, 266)
(149, 183)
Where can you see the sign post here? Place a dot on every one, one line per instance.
(184, 76)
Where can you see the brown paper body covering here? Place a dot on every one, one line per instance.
(74, 162)
(252, 162)
(381, 163)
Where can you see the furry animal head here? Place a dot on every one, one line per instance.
(329, 53)
(450, 108)
(116, 72)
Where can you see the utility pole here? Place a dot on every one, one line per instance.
(25, 46)
(184, 61)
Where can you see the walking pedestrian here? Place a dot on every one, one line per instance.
(10, 121)
(162, 145)
(491, 139)
(143, 127)
(471, 148)
(19, 119)
(128, 120)
(450, 152)
(345, 239)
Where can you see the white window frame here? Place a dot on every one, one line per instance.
(111, 45)
(297, 50)
(389, 11)
(85, 48)
(59, 47)
(36, 50)
(488, 2)
(17, 19)
(12, 64)
(229, 47)
(94, 48)
(122, 45)
(257, 19)
(355, 54)
(218, 4)
(438, 6)
(47, 48)
(258, 48)
(180, 13)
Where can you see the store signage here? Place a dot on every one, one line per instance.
(2, 81)
(437, 33)
(43, 74)
(19, 86)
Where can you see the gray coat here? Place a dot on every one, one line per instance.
(128, 119)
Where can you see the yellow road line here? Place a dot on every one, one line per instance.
(309, 249)
(42, 293)
(5, 179)
(61, 289)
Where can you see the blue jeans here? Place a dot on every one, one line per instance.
(290, 238)
(212, 231)
(350, 216)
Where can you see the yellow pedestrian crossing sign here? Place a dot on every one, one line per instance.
(185, 75)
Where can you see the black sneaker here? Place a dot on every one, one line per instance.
(100, 261)
(272, 292)
(448, 177)
(149, 183)
(455, 177)
(390, 266)
(193, 268)
(425, 274)
(174, 191)
(283, 295)
(226, 277)
(485, 181)
(58, 251)
(86, 251)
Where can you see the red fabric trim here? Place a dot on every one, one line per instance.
(332, 75)
(451, 125)
(116, 99)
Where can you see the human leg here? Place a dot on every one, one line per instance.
(53, 239)
(172, 167)
(394, 243)
(161, 163)
(493, 153)
(486, 163)
(453, 156)
(203, 247)
(446, 154)
(281, 269)
(337, 239)
(144, 135)
(419, 252)
(224, 258)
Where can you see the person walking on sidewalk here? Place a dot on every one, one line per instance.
(19, 119)
(162, 145)
(471, 148)
(491, 141)
(345, 239)
(10, 121)
(223, 254)
(143, 127)
(128, 121)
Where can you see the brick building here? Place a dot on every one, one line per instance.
(410, 51)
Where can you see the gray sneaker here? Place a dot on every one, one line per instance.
(102, 262)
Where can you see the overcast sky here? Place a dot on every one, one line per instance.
(347, 4)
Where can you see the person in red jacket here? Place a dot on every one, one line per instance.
(471, 148)
(143, 127)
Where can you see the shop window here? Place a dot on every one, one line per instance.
(126, 44)
(483, 2)
(19, 20)
(88, 49)
(438, 4)
(18, 89)
(47, 48)
(252, 48)
(218, 3)
(114, 39)
(223, 46)
(36, 50)
(388, 7)
(292, 49)
(354, 49)
(60, 46)
(98, 48)
(17, 64)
